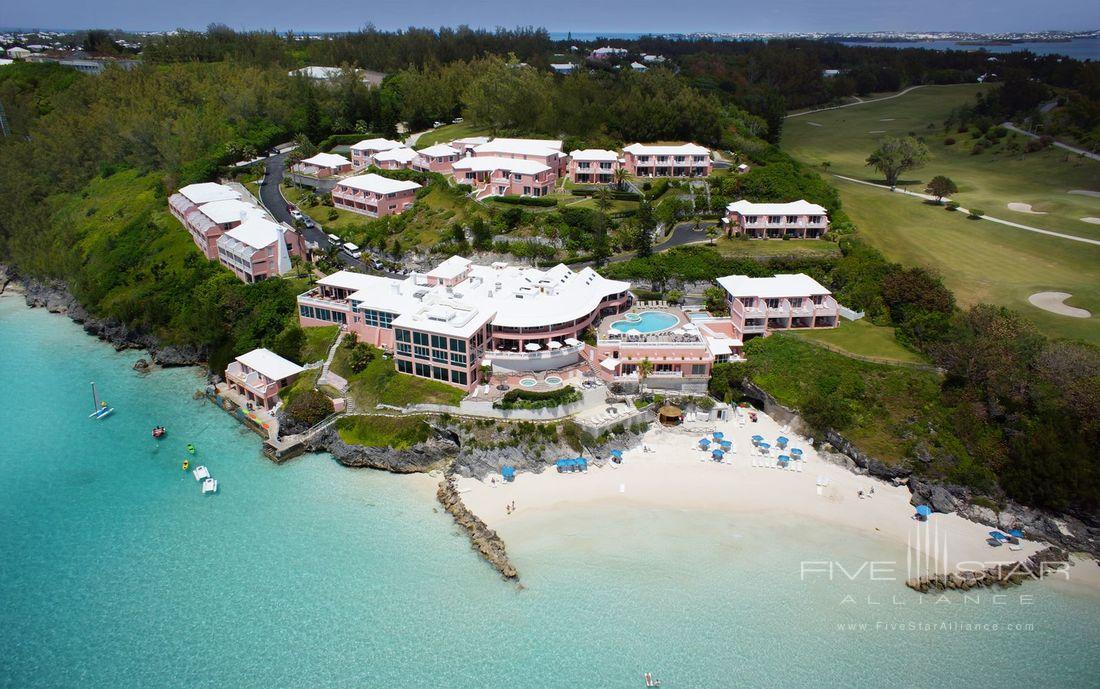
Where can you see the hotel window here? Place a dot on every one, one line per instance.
(458, 359)
(792, 218)
(527, 190)
(420, 352)
(420, 338)
(458, 345)
(404, 348)
(439, 342)
(404, 366)
(439, 373)
(750, 219)
(402, 335)
(423, 370)
(439, 356)
(517, 176)
(773, 219)
(698, 369)
(458, 377)
(306, 311)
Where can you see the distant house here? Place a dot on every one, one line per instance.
(638, 67)
(593, 166)
(653, 59)
(546, 151)
(395, 158)
(363, 152)
(259, 375)
(758, 306)
(367, 76)
(492, 175)
(258, 249)
(680, 160)
(323, 165)
(18, 53)
(466, 145)
(438, 158)
(563, 67)
(607, 52)
(794, 220)
(374, 195)
(827, 73)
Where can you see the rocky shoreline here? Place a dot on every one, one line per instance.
(423, 457)
(1043, 563)
(1063, 530)
(55, 297)
(482, 538)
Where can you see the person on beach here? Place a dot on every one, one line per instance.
(861, 495)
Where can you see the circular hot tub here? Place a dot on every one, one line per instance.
(553, 380)
(528, 382)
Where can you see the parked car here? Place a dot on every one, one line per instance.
(352, 250)
(308, 222)
(457, 120)
(333, 237)
(296, 214)
(437, 124)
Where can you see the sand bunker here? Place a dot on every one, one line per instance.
(1052, 301)
(1090, 219)
(1086, 192)
(1023, 208)
(814, 124)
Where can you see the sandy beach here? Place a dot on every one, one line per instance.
(676, 475)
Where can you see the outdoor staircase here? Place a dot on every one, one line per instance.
(327, 377)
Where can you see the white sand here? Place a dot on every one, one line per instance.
(1092, 220)
(1085, 192)
(1053, 302)
(1024, 208)
(678, 476)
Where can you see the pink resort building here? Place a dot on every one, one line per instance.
(683, 160)
(374, 195)
(205, 221)
(259, 249)
(796, 220)
(466, 145)
(323, 165)
(760, 305)
(545, 151)
(446, 323)
(188, 199)
(438, 158)
(362, 153)
(593, 166)
(395, 159)
(259, 375)
(494, 176)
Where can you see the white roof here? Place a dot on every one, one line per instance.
(681, 149)
(790, 285)
(377, 184)
(490, 163)
(377, 145)
(269, 364)
(327, 160)
(400, 155)
(315, 72)
(538, 147)
(722, 345)
(256, 232)
(205, 192)
(799, 207)
(439, 150)
(638, 66)
(562, 65)
(507, 296)
(594, 154)
(471, 141)
(610, 363)
(230, 210)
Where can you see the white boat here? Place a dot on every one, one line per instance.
(200, 473)
(210, 485)
(100, 410)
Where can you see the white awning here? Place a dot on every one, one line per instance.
(610, 363)
(532, 346)
(553, 344)
(572, 341)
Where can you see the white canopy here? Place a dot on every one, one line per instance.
(610, 363)
(572, 341)
(553, 344)
(532, 346)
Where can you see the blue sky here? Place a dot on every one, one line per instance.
(564, 15)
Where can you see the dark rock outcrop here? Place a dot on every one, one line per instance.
(482, 538)
(1041, 564)
(422, 457)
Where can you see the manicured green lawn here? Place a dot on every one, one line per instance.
(989, 180)
(861, 338)
(380, 382)
(345, 222)
(981, 261)
(775, 247)
(398, 433)
(449, 132)
(318, 341)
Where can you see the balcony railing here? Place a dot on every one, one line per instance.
(251, 380)
(533, 356)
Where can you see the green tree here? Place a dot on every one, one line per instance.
(941, 186)
(714, 300)
(288, 343)
(645, 367)
(896, 155)
(601, 247)
(643, 242)
(309, 407)
(360, 357)
(603, 199)
(621, 177)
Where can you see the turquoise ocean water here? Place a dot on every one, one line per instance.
(116, 572)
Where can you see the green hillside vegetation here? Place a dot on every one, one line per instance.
(397, 433)
(862, 339)
(380, 382)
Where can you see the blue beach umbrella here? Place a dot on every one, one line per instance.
(784, 458)
(1016, 533)
(757, 438)
(717, 454)
(998, 535)
(718, 435)
(796, 453)
(704, 442)
(924, 510)
(726, 444)
(782, 440)
(763, 446)
(616, 453)
(508, 472)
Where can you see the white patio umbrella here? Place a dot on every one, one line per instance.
(633, 331)
(690, 326)
(553, 344)
(572, 341)
(532, 346)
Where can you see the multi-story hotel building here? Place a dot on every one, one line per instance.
(206, 220)
(545, 151)
(258, 249)
(323, 165)
(363, 152)
(796, 220)
(438, 158)
(395, 159)
(259, 375)
(760, 305)
(495, 176)
(593, 166)
(374, 195)
(683, 160)
(446, 323)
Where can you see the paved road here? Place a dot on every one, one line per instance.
(685, 233)
(1059, 144)
(1017, 225)
(858, 102)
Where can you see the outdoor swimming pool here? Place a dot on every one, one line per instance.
(646, 322)
(528, 382)
(553, 380)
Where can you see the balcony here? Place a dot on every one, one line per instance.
(256, 383)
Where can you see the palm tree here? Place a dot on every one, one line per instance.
(621, 176)
(645, 367)
(603, 199)
(712, 233)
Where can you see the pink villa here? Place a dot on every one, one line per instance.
(374, 195)
(466, 145)
(593, 166)
(796, 220)
(760, 305)
(395, 159)
(323, 165)
(259, 375)
(438, 158)
(493, 176)
(185, 202)
(446, 323)
(206, 220)
(545, 151)
(683, 160)
(362, 153)
(259, 249)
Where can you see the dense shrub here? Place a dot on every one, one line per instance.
(949, 141)
(529, 399)
(309, 407)
(542, 201)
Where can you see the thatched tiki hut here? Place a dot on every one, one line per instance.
(670, 415)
